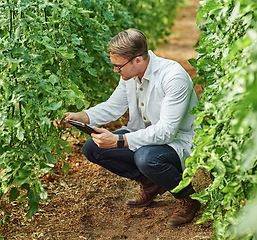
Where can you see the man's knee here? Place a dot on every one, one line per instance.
(87, 148)
(150, 159)
(143, 158)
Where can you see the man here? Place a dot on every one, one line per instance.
(152, 148)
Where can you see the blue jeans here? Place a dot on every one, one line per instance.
(160, 163)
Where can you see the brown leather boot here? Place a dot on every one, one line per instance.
(148, 191)
(185, 212)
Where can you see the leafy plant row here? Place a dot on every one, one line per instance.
(53, 59)
(226, 145)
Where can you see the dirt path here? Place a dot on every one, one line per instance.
(89, 203)
(183, 39)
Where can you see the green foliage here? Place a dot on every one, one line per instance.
(53, 59)
(226, 145)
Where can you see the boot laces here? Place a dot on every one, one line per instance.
(182, 208)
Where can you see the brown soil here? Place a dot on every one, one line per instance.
(182, 41)
(89, 203)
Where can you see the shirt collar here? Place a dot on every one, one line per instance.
(148, 70)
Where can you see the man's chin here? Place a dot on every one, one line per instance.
(125, 78)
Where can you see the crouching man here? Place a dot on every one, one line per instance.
(152, 148)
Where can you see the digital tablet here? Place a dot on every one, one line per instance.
(82, 126)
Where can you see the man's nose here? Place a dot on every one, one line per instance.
(116, 70)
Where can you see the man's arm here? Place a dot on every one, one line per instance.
(110, 110)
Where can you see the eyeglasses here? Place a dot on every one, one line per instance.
(120, 67)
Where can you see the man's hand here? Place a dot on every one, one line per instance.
(105, 139)
(79, 116)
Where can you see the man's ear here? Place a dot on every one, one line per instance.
(139, 59)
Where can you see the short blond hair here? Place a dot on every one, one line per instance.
(128, 44)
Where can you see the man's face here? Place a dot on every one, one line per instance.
(126, 68)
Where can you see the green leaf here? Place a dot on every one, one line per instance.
(199, 119)
(14, 67)
(23, 173)
(4, 187)
(21, 199)
(65, 168)
(20, 133)
(53, 79)
(75, 39)
(27, 75)
(193, 62)
(46, 121)
(48, 46)
(14, 194)
(77, 91)
(50, 157)
(40, 190)
(17, 33)
(54, 106)
(11, 123)
(69, 94)
(18, 50)
(84, 56)
(33, 203)
(92, 71)
(4, 220)
(219, 173)
(182, 185)
(21, 181)
(68, 55)
(199, 16)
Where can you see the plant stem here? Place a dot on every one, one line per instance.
(21, 117)
(45, 14)
(243, 186)
(10, 26)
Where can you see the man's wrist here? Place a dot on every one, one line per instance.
(120, 142)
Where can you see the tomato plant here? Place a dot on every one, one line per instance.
(226, 145)
(53, 59)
